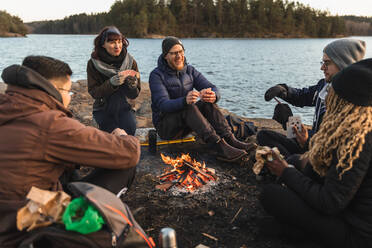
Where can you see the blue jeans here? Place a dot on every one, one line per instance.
(126, 120)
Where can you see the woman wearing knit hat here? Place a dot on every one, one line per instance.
(336, 56)
(113, 81)
(331, 201)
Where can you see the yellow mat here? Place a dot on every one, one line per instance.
(166, 142)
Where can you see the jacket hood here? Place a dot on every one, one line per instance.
(163, 65)
(25, 77)
(27, 93)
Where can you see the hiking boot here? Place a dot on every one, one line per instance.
(228, 153)
(248, 147)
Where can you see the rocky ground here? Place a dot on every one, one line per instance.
(225, 214)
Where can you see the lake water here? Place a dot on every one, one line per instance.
(242, 68)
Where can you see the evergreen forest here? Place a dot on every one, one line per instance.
(11, 24)
(205, 18)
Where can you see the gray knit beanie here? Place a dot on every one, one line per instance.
(344, 52)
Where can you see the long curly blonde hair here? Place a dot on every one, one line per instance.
(341, 134)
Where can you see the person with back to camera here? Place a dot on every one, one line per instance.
(113, 81)
(331, 200)
(40, 141)
(336, 56)
(176, 88)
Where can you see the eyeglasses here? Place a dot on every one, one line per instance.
(326, 63)
(180, 52)
(70, 93)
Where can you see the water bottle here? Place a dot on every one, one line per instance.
(167, 238)
(152, 135)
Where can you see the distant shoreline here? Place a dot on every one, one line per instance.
(11, 35)
(159, 36)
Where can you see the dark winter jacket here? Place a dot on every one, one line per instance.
(100, 88)
(39, 141)
(349, 198)
(308, 97)
(170, 87)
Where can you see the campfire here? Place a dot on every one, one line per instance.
(185, 173)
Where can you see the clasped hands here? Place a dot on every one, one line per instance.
(119, 132)
(206, 95)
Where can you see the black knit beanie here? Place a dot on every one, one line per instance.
(354, 83)
(168, 43)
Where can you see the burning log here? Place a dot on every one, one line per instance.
(198, 170)
(186, 173)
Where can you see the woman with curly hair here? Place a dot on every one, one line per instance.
(113, 81)
(331, 201)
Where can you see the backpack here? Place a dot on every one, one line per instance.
(240, 128)
(121, 229)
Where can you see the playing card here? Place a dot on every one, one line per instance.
(127, 73)
(293, 121)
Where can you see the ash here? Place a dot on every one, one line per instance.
(209, 187)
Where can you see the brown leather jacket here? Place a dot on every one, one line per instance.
(39, 140)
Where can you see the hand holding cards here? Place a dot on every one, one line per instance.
(293, 121)
(208, 95)
(127, 73)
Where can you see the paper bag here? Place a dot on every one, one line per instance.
(44, 208)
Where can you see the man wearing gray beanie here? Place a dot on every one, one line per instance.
(344, 52)
(336, 56)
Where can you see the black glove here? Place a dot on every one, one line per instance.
(281, 114)
(131, 82)
(279, 90)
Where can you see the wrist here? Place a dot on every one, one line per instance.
(114, 80)
(185, 101)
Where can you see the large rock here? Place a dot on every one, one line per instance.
(81, 105)
(228, 211)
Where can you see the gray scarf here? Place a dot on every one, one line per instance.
(109, 70)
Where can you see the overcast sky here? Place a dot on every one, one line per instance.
(38, 10)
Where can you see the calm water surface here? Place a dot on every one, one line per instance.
(242, 68)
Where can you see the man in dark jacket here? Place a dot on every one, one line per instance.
(40, 141)
(336, 56)
(183, 100)
(330, 201)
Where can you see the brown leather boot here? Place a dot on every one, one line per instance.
(248, 147)
(228, 153)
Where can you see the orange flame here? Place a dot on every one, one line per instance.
(187, 172)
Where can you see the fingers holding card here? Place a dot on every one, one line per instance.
(127, 73)
(293, 121)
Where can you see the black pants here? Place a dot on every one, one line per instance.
(126, 120)
(203, 118)
(112, 180)
(286, 146)
(290, 209)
